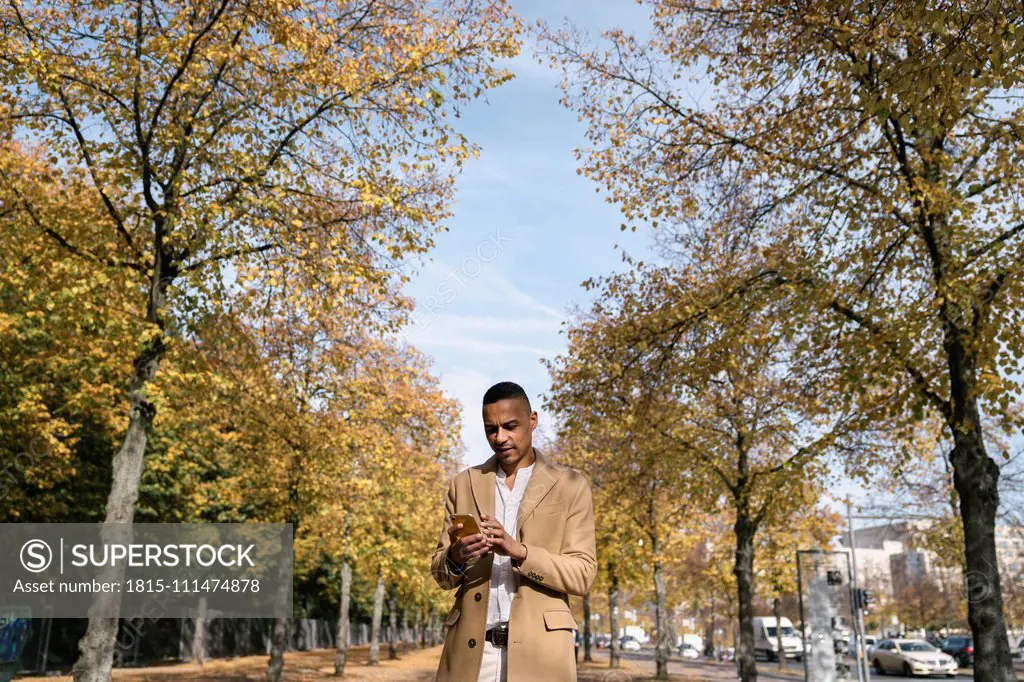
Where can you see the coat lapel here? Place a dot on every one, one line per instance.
(481, 481)
(545, 477)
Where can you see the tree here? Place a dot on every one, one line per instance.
(235, 146)
(325, 448)
(698, 591)
(921, 488)
(637, 502)
(623, 562)
(804, 524)
(66, 340)
(883, 144)
(725, 400)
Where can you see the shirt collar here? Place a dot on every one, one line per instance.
(500, 473)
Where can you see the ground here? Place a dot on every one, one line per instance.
(415, 666)
(419, 666)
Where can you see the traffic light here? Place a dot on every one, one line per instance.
(863, 599)
(868, 598)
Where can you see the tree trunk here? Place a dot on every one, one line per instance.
(709, 630)
(744, 572)
(975, 474)
(44, 645)
(777, 612)
(976, 477)
(278, 644)
(432, 631)
(281, 634)
(199, 633)
(586, 628)
(138, 644)
(346, 590)
(393, 634)
(661, 646)
(378, 611)
(405, 632)
(96, 648)
(614, 659)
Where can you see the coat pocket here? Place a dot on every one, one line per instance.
(559, 620)
(453, 616)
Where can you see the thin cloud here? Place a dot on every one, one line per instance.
(442, 340)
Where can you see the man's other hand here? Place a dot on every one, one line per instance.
(501, 542)
(464, 550)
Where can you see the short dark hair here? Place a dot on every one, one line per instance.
(504, 390)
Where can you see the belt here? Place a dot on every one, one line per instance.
(497, 636)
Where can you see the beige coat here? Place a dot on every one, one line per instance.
(556, 523)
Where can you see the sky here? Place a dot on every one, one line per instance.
(527, 230)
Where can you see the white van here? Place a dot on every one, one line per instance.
(696, 641)
(636, 632)
(766, 641)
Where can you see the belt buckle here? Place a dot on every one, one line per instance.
(499, 636)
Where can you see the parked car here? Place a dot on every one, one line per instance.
(960, 647)
(911, 657)
(870, 641)
(629, 643)
(687, 650)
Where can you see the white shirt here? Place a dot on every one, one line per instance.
(506, 510)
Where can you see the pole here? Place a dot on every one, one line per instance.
(855, 637)
(803, 619)
(863, 674)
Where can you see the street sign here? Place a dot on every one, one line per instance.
(824, 587)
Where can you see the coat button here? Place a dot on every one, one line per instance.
(472, 643)
(477, 597)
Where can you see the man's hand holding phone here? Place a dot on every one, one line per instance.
(500, 541)
(468, 542)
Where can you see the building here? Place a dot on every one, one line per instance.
(877, 547)
(888, 560)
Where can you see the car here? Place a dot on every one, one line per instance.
(869, 642)
(960, 647)
(629, 643)
(911, 657)
(688, 651)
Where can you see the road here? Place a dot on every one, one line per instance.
(706, 670)
(726, 671)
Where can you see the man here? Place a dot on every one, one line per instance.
(511, 620)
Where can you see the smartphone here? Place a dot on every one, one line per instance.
(469, 524)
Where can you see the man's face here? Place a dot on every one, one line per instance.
(509, 428)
